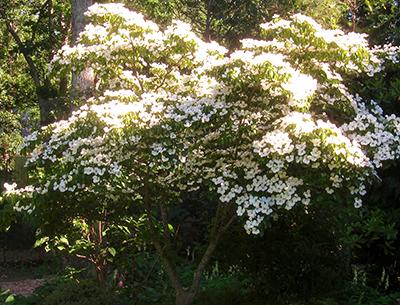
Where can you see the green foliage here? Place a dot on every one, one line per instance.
(6, 298)
(238, 289)
(161, 10)
(81, 293)
(381, 19)
(330, 13)
(144, 279)
(374, 236)
(358, 294)
(7, 215)
(304, 257)
(229, 21)
(101, 165)
(225, 289)
(10, 134)
(103, 243)
(62, 292)
(30, 33)
(376, 228)
(299, 258)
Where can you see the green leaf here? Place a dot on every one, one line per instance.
(64, 240)
(171, 228)
(10, 299)
(368, 4)
(40, 241)
(112, 251)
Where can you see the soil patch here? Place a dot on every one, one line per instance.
(23, 287)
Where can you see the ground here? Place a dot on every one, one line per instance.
(22, 287)
(22, 272)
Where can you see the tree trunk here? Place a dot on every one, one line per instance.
(186, 297)
(83, 82)
(101, 273)
(20, 173)
(44, 107)
(79, 7)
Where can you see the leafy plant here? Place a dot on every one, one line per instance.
(6, 297)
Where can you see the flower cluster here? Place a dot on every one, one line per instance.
(270, 126)
(26, 193)
(376, 133)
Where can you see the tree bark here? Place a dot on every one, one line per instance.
(82, 82)
(79, 21)
(44, 107)
(100, 260)
(101, 272)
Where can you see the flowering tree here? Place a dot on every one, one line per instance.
(270, 126)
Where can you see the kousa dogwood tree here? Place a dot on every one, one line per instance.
(270, 126)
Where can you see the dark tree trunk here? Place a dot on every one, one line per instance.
(45, 106)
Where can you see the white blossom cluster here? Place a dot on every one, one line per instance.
(296, 144)
(388, 52)
(335, 53)
(376, 133)
(26, 193)
(181, 113)
(85, 158)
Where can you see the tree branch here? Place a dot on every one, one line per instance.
(220, 227)
(85, 258)
(168, 264)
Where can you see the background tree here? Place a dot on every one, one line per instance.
(230, 21)
(38, 29)
(380, 19)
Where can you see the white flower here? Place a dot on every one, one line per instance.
(10, 187)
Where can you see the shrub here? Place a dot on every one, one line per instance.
(82, 293)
